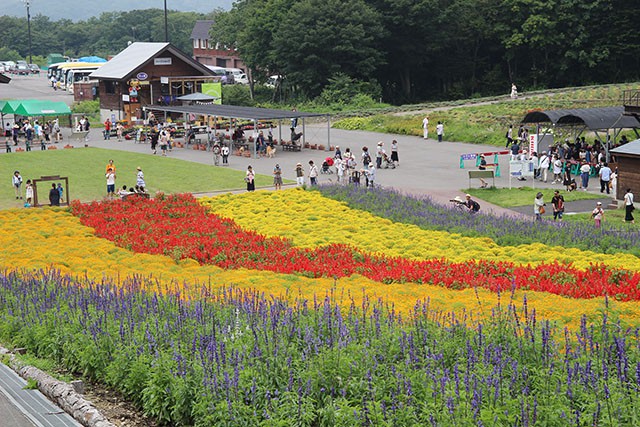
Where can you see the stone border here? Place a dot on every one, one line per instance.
(62, 394)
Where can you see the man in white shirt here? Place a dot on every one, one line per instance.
(605, 177)
(425, 127)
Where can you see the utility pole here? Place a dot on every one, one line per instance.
(28, 3)
(166, 28)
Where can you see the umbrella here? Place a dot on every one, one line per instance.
(91, 59)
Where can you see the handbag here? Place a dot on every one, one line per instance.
(542, 210)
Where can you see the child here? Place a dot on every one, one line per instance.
(598, 214)
(28, 194)
(61, 192)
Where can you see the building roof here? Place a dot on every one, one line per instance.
(631, 148)
(138, 54)
(592, 118)
(233, 111)
(201, 30)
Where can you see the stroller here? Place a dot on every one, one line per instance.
(326, 166)
(387, 163)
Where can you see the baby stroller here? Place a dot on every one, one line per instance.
(326, 166)
(387, 163)
(355, 178)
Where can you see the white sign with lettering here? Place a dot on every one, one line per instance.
(162, 61)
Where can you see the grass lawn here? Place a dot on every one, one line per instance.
(85, 168)
(508, 198)
(612, 217)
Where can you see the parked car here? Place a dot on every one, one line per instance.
(22, 69)
(34, 68)
(9, 66)
(2, 70)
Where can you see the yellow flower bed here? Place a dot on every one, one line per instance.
(311, 220)
(43, 238)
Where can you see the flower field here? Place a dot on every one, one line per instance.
(327, 307)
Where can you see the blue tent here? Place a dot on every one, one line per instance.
(91, 59)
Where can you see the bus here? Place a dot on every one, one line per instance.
(61, 72)
(79, 74)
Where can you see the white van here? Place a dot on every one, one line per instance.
(239, 76)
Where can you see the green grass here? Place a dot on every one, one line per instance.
(522, 196)
(612, 218)
(487, 124)
(85, 168)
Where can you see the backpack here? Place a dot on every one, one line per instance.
(475, 206)
(366, 159)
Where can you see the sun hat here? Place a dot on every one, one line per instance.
(599, 203)
(458, 199)
(139, 168)
(380, 143)
(467, 195)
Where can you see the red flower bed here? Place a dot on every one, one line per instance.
(180, 227)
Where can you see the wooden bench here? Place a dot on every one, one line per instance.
(482, 174)
(79, 136)
(291, 147)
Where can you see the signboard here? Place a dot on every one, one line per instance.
(533, 143)
(161, 61)
(125, 98)
(519, 168)
(468, 156)
(214, 90)
(142, 76)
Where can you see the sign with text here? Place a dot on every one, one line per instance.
(161, 61)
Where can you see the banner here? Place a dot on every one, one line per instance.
(213, 89)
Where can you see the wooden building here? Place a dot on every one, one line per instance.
(628, 159)
(147, 74)
(209, 52)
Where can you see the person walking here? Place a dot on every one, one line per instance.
(585, 170)
(425, 127)
(313, 173)
(509, 136)
(558, 205)
(440, 131)
(514, 91)
(605, 177)
(598, 214)
(250, 179)
(628, 207)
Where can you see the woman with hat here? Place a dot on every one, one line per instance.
(538, 206)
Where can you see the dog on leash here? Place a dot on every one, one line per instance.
(271, 152)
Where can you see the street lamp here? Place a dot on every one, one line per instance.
(28, 3)
(166, 28)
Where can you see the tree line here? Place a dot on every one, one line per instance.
(103, 35)
(401, 51)
(413, 50)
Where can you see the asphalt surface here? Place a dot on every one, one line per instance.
(426, 168)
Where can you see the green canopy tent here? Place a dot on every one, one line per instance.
(10, 106)
(36, 108)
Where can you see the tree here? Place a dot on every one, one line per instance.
(319, 38)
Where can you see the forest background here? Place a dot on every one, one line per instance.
(395, 51)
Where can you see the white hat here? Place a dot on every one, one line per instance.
(599, 203)
(458, 199)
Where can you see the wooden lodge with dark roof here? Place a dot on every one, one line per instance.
(147, 74)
